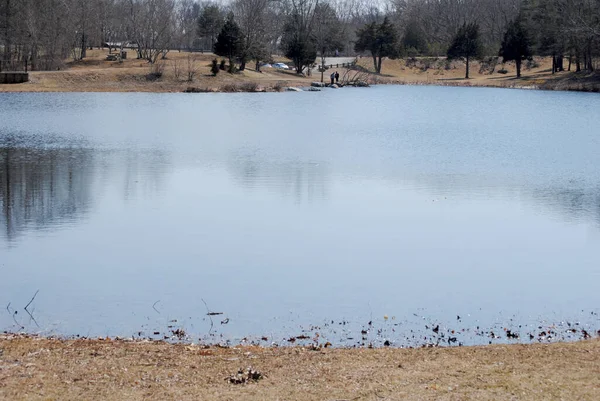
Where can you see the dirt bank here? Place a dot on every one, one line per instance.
(49, 369)
(96, 74)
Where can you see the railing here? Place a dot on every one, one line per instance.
(342, 65)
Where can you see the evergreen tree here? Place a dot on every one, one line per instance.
(230, 42)
(214, 68)
(516, 44)
(299, 46)
(466, 44)
(414, 40)
(210, 22)
(381, 40)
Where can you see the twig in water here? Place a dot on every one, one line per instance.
(208, 313)
(34, 295)
(154, 306)
(13, 316)
(17, 323)
(32, 318)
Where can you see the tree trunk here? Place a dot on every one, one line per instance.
(467, 74)
(83, 46)
(379, 64)
(559, 63)
(553, 63)
(518, 62)
(570, 61)
(375, 62)
(7, 34)
(243, 65)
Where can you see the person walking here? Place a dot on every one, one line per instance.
(337, 77)
(332, 76)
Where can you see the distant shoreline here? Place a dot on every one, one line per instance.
(256, 87)
(97, 75)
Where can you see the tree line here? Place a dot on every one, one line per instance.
(46, 32)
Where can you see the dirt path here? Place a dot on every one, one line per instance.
(47, 369)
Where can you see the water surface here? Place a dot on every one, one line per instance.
(300, 211)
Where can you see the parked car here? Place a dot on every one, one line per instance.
(281, 66)
(266, 65)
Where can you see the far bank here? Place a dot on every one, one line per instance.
(190, 72)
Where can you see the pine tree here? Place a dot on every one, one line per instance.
(516, 44)
(379, 39)
(230, 42)
(214, 68)
(466, 44)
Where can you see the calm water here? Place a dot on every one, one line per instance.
(129, 212)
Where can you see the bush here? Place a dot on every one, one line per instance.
(156, 71)
(487, 65)
(215, 67)
(229, 88)
(222, 65)
(176, 67)
(279, 85)
(412, 52)
(249, 87)
(531, 63)
(411, 62)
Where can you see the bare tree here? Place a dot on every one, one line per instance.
(150, 27)
(251, 16)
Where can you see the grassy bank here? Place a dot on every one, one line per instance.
(49, 369)
(96, 74)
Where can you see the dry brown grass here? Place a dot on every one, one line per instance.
(432, 71)
(95, 74)
(50, 369)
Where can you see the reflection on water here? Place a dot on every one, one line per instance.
(48, 182)
(41, 187)
(304, 181)
(573, 204)
(281, 226)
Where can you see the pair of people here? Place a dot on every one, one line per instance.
(335, 77)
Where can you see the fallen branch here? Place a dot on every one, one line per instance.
(34, 295)
(154, 306)
(32, 318)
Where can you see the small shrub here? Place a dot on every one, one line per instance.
(249, 87)
(192, 89)
(191, 67)
(156, 71)
(427, 63)
(503, 71)
(487, 65)
(176, 67)
(279, 85)
(531, 63)
(411, 62)
(229, 88)
(222, 65)
(215, 68)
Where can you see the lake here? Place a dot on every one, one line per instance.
(412, 215)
